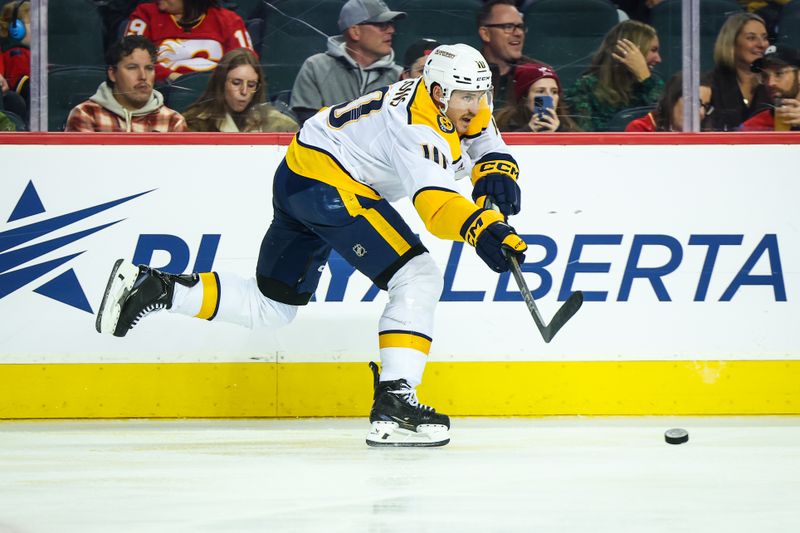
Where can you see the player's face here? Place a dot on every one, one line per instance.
(133, 79)
(463, 106)
(173, 7)
(781, 82)
(751, 42)
(240, 87)
(506, 45)
(543, 87)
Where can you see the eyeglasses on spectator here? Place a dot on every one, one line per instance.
(508, 27)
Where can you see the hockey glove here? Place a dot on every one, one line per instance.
(503, 191)
(496, 240)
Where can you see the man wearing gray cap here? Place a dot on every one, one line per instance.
(358, 61)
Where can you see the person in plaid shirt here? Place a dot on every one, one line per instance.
(126, 101)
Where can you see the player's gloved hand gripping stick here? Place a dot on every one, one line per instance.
(564, 313)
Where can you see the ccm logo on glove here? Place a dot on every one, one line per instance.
(502, 167)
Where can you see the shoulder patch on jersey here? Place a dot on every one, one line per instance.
(444, 124)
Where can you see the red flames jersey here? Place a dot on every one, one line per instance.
(196, 50)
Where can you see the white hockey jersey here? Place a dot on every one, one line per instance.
(393, 143)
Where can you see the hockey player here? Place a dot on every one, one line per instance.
(332, 191)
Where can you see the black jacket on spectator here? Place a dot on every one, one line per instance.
(730, 109)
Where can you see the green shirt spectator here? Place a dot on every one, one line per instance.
(591, 114)
(621, 76)
(6, 124)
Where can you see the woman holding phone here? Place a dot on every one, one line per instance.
(537, 105)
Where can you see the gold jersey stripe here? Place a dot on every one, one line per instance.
(376, 220)
(405, 340)
(210, 296)
(476, 226)
(444, 212)
(315, 164)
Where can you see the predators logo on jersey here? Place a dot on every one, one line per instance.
(445, 125)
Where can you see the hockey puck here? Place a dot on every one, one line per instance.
(676, 436)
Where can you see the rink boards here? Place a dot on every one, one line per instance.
(689, 256)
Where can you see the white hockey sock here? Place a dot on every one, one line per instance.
(406, 326)
(405, 363)
(187, 300)
(231, 298)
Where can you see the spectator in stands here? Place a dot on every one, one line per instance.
(15, 60)
(668, 114)
(502, 32)
(531, 80)
(737, 93)
(779, 74)
(6, 124)
(191, 35)
(234, 100)
(126, 101)
(415, 56)
(358, 61)
(620, 76)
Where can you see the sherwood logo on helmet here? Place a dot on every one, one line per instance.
(445, 53)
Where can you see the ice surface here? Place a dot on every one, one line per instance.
(736, 474)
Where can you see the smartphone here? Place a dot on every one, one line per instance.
(540, 103)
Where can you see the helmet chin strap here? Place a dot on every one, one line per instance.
(445, 102)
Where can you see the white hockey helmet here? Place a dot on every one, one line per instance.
(457, 67)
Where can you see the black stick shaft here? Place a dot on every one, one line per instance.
(564, 313)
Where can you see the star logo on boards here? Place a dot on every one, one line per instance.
(65, 287)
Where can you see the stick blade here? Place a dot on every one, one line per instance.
(562, 316)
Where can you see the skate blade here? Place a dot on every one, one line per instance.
(122, 278)
(390, 434)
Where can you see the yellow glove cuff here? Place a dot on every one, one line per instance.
(514, 242)
(475, 225)
(496, 166)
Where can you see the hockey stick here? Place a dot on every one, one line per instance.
(564, 313)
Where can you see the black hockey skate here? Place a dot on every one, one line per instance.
(132, 292)
(398, 419)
